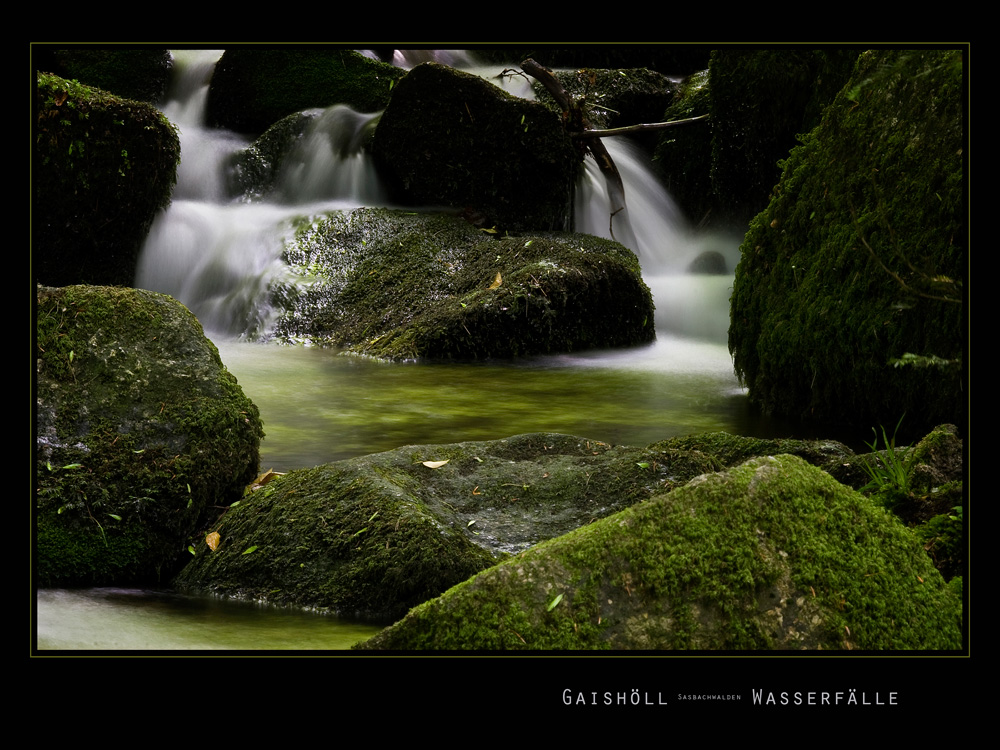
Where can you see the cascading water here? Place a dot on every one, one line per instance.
(219, 254)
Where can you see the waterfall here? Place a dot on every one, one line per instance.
(218, 254)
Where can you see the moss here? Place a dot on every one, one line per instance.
(334, 540)
(682, 153)
(730, 450)
(859, 257)
(103, 166)
(760, 100)
(378, 534)
(398, 286)
(771, 555)
(134, 447)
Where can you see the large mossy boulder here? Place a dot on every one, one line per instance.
(771, 555)
(378, 534)
(398, 285)
(141, 433)
(848, 300)
(103, 166)
(452, 139)
(254, 87)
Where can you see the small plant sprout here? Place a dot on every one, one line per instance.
(895, 468)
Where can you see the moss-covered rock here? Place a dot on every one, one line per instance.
(770, 555)
(141, 434)
(277, 165)
(449, 138)
(730, 450)
(254, 87)
(396, 285)
(923, 486)
(103, 166)
(379, 534)
(848, 301)
(760, 99)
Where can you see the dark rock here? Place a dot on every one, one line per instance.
(141, 73)
(254, 87)
(709, 262)
(847, 304)
(449, 138)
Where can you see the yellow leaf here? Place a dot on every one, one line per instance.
(496, 282)
(264, 478)
(435, 464)
(212, 540)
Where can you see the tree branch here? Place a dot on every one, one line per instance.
(635, 128)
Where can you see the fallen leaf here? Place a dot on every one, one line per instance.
(212, 540)
(497, 281)
(435, 464)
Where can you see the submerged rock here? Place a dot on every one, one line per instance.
(771, 555)
(398, 285)
(141, 434)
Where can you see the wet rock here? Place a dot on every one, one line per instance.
(397, 285)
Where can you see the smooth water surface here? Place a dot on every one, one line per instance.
(318, 406)
(117, 619)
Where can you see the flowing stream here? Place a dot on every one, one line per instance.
(216, 256)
